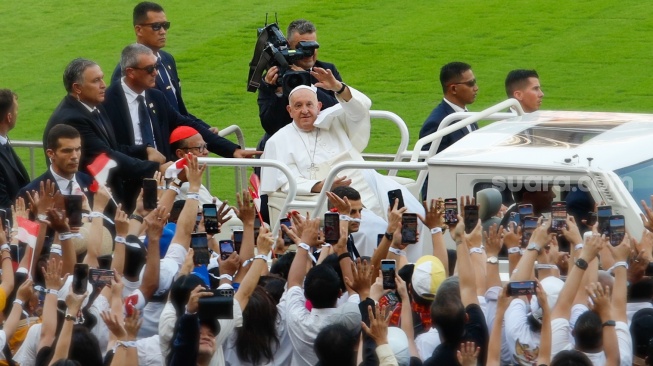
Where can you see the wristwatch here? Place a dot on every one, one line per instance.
(609, 323)
(581, 263)
(533, 246)
(178, 182)
(492, 260)
(342, 89)
(389, 236)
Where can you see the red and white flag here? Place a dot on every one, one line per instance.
(255, 193)
(174, 169)
(28, 231)
(100, 168)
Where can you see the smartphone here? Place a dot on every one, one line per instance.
(558, 216)
(218, 306)
(471, 217)
(238, 240)
(73, 205)
(257, 228)
(287, 241)
(200, 245)
(617, 229)
(100, 277)
(226, 248)
(516, 218)
(210, 213)
(331, 227)
(603, 218)
(379, 237)
(198, 218)
(388, 267)
(521, 288)
(450, 211)
(5, 222)
(80, 278)
(396, 194)
(525, 211)
(149, 193)
(530, 224)
(409, 228)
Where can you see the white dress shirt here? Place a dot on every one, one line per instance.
(132, 103)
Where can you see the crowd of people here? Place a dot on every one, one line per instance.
(134, 283)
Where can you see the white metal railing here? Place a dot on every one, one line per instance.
(245, 163)
(403, 133)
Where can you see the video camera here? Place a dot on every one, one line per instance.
(272, 50)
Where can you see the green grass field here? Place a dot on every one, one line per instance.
(590, 54)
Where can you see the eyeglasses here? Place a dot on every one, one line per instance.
(157, 26)
(148, 69)
(469, 83)
(200, 148)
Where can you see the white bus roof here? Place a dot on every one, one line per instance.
(557, 138)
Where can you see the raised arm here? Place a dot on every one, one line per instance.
(620, 254)
(53, 283)
(494, 345)
(257, 265)
(434, 220)
(246, 213)
(74, 305)
(23, 296)
(602, 306)
(7, 283)
(465, 271)
(309, 236)
(94, 242)
(186, 221)
(154, 223)
(492, 248)
(122, 229)
(539, 240)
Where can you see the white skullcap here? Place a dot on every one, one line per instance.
(300, 87)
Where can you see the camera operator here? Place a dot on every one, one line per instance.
(271, 100)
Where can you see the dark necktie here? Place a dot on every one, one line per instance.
(70, 187)
(167, 85)
(144, 122)
(351, 248)
(100, 122)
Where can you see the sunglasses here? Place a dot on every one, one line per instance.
(469, 83)
(157, 26)
(148, 69)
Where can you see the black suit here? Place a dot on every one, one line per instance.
(100, 138)
(433, 121)
(13, 176)
(216, 144)
(84, 180)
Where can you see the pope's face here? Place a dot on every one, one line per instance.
(304, 109)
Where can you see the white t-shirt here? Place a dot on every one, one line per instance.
(26, 354)
(562, 341)
(524, 344)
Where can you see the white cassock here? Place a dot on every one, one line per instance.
(341, 133)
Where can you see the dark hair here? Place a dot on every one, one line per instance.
(448, 311)
(74, 72)
(301, 26)
(84, 347)
(141, 9)
(180, 291)
(274, 286)
(334, 345)
(282, 266)
(588, 332)
(60, 131)
(571, 358)
(517, 79)
(179, 144)
(641, 291)
(345, 191)
(332, 261)
(257, 340)
(451, 72)
(6, 101)
(66, 362)
(322, 286)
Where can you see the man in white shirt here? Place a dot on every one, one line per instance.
(316, 140)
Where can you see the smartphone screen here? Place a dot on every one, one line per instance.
(238, 240)
(470, 217)
(286, 239)
(100, 277)
(603, 217)
(521, 288)
(558, 216)
(530, 224)
(149, 193)
(388, 267)
(80, 278)
(396, 194)
(73, 204)
(210, 213)
(409, 228)
(200, 245)
(331, 227)
(516, 218)
(226, 248)
(525, 211)
(451, 211)
(379, 237)
(617, 229)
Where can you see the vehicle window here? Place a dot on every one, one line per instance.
(638, 180)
